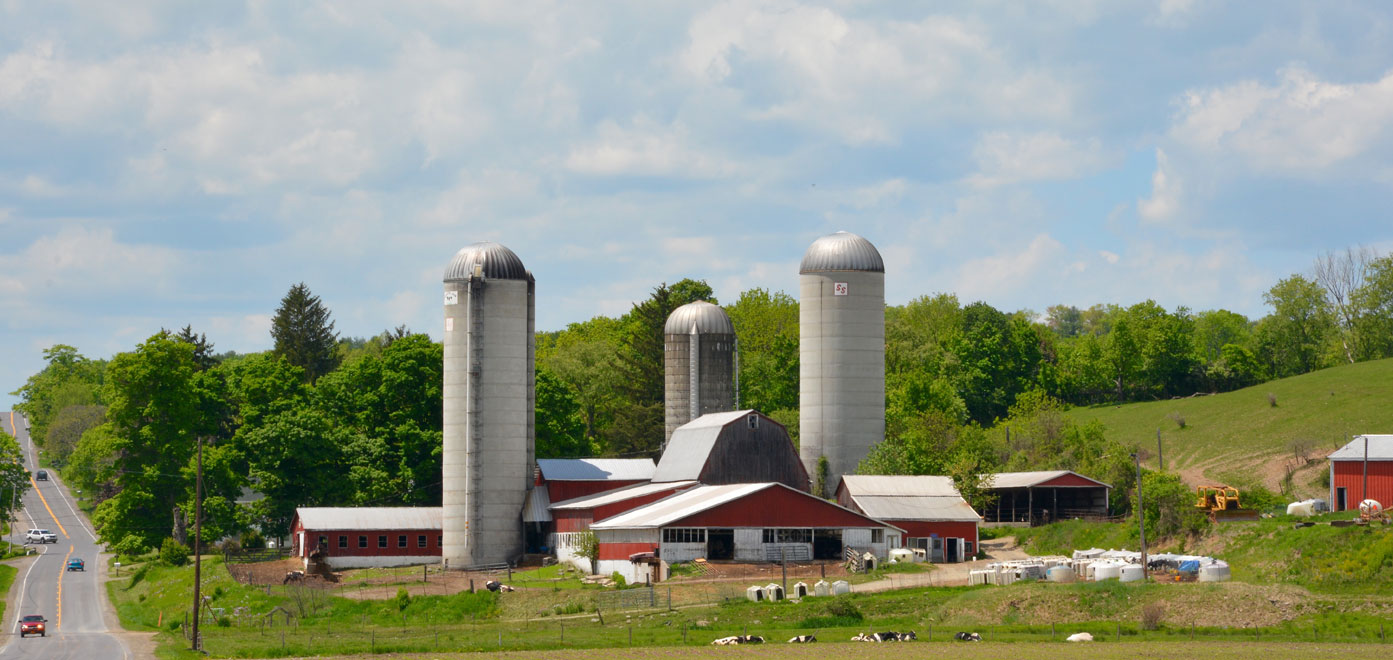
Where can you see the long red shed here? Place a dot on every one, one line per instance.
(362, 537)
(1348, 470)
(936, 519)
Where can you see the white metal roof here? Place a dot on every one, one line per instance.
(369, 518)
(899, 485)
(619, 495)
(1029, 479)
(1380, 448)
(691, 445)
(702, 498)
(596, 469)
(929, 509)
(536, 507)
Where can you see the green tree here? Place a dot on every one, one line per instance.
(1216, 328)
(1373, 302)
(766, 329)
(1065, 320)
(67, 428)
(559, 430)
(585, 356)
(296, 459)
(304, 334)
(69, 379)
(1169, 506)
(14, 478)
(1293, 338)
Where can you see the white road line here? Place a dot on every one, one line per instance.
(76, 517)
(24, 586)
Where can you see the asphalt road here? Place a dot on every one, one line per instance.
(72, 601)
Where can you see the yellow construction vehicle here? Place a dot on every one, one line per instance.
(1223, 504)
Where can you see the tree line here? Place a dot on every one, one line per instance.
(324, 420)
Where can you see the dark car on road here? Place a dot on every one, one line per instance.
(32, 624)
(41, 475)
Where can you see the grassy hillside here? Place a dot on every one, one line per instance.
(1240, 436)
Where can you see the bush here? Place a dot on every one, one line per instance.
(253, 540)
(402, 600)
(837, 612)
(174, 553)
(1151, 615)
(619, 580)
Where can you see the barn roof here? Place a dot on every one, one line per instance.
(369, 518)
(1380, 449)
(596, 469)
(689, 503)
(619, 495)
(899, 485)
(931, 509)
(536, 508)
(691, 445)
(1032, 479)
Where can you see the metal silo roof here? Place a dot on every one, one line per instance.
(701, 316)
(496, 261)
(842, 251)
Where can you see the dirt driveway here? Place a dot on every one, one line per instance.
(948, 575)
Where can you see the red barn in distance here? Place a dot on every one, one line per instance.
(1348, 469)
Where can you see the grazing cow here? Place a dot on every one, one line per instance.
(803, 639)
(738, 639)
(967, 637)
(865, 637)
(495, 585)
(908, 636)
(293, 576)
(1079, 637)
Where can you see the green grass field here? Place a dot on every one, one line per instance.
(1239, 435)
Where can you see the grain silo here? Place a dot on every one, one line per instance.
(699, 362)
(488, 390)
(841, 320)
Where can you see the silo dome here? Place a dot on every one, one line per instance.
(498, 262)
(842, 251)
(699, 316)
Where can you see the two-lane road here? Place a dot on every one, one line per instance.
(72, 601)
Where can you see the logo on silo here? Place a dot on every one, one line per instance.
(839, 288)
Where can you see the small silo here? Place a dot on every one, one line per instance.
(699, 362)
(841, 320)
(489, 394)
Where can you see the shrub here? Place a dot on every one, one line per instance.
(619, 580)
(174, 553)
(1178, 418)
(252, 539)
(838, 612)
(224, 622)
(402, 600)
(1151, 615)
(1272, 399)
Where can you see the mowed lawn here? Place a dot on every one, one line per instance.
(1242, 433)
(955, 650)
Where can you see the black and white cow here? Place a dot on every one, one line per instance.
(738, 639)
(803, 639)
(967, 637)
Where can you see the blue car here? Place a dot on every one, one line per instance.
(76, 565)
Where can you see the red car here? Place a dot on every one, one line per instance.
(32, 623)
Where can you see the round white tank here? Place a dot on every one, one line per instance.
(699, 358)
(488, 395)
(841, 320)
(1060, 574)
(1216, 572)
(1106, 572)
(1132, 573)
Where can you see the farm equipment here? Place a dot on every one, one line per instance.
(1371, 511)
(1223, 504)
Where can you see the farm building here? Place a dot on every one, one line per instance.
(573, 517)
(742, 522)
(1348, 470)
(744, 446)
(363, 537)
(933, 516)
(1037, 497)
(561, 479)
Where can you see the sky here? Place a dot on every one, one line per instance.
(165, 164)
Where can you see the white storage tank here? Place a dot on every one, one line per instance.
(488, 396)
(841, 320)
(1215, 572)
(1132, 573)
(1061, 574)
(1107, 571)
(699, 358)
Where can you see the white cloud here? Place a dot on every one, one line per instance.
(1298, 126)
(1165, 192)
(1110, 257)
(82, 263)
(1008, 272)
(1004, 158)
(646, 148)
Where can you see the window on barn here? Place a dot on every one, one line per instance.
(438, 542)
(401, 541)
(421, 541)
(362, 541)
(788, 536)
(382, 541)
(877, 536)
(323, 541)
(752, 421)
(343, 541)
(684, 535)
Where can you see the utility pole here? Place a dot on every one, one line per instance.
(197, 550)
(1364, 489)
(1160, 460)
(1141, 514)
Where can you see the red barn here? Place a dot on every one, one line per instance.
(935, 518)
(574, 517)
(741, 522)
(353, 537)
(1046, 496)
(1349, 467)
(561, 479)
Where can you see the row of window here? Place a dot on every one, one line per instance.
(381, 541)
(788, 536)
(776, 535)
(683, 535)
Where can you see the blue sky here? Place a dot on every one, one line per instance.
(186, 163)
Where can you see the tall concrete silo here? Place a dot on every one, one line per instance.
(841, 320)
(489, 394)
(699, 364)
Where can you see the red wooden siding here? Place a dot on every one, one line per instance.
(776, 507)
(393, 548)
(1068, 480)
(560, 491)
(624, 550)
(572, 520)
(1349, 475)
(945, 529)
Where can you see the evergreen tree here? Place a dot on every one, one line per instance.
(304, 333)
